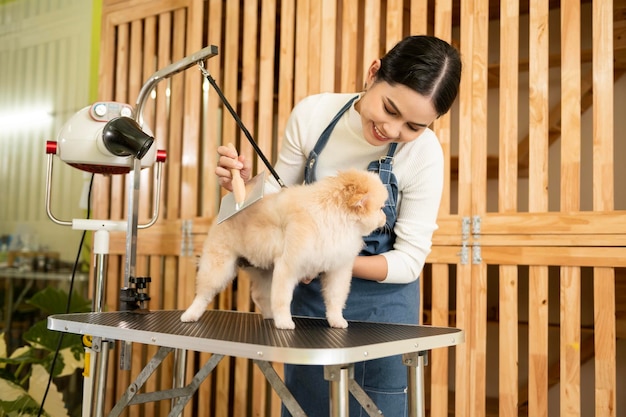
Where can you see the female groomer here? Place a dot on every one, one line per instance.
(384, 128)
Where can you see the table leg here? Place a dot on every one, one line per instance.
(339, 379)
(415, 377)
(180, 365)
(102, 365)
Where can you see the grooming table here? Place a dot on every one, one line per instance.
(248, 335)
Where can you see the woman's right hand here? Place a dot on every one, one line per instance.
(228, 160)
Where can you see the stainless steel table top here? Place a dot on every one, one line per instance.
(248, 335)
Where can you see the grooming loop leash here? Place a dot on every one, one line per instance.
(245, 131)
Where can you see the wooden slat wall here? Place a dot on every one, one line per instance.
(272, 53)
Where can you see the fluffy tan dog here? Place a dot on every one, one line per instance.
(291, 236)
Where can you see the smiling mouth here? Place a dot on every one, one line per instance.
(378, 134)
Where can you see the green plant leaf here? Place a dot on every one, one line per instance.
(15, 401)
(24, 354)
(54, 404)
(53, 300)
(70, 361)
(40, 337)
(3, 346)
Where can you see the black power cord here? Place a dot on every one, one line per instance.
(69, 303)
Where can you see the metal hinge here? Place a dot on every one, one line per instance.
(470, 228)
(476, 249)
(476, 221)
(465, 235)
(186, 240)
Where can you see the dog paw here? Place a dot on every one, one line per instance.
(284, 323)
(190, 315)
(337, 322)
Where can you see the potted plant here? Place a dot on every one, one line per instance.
(25, 372)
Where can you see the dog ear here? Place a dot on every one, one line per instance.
(361, 202)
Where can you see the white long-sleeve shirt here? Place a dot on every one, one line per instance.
(418, 166)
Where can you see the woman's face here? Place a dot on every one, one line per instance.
(392, 113)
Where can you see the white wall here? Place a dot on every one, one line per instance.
(44, 76)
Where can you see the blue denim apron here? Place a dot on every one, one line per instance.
(384, 379)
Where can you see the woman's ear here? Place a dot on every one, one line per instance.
(371, 73)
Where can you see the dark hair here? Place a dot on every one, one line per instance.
(427, 65)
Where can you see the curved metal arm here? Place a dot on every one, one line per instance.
(156, 199)
(167, 72)
(48, 186)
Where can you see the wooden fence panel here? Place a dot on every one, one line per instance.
(271, 55)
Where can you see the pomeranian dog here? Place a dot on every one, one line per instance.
(291, 236)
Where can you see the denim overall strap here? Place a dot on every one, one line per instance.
(382, 240)
(311, 162)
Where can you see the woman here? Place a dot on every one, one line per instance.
(382, 129)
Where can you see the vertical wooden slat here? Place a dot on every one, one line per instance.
(441, 284)
(314, 48)
(162, 135)
(249, 71)
(440, 364)
(328, 44)
(266, 72)
(286, 93)
(570, 201)
(570, 341)
(603, 197)
(537, 197)
(394, 23)
(249, 86)
(149, 66)
(464, 272)
(508, 317)
(371, 36)
(266, 111)
(176, 115)
(211, 190)
(478, 343)
(135, 70)
(121, 94)
(347, 68)
(149, 54)
(230, 54)
(188, 22)
(303, 38)
(286, 87)
(176, 111)
(419, 15)
(117, 209)
(538, 341)
(230, 131)
(191, 126)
